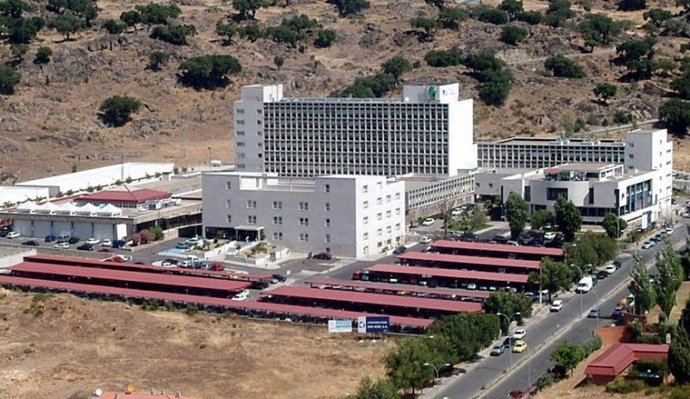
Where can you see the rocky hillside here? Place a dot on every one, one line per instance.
(51, 123)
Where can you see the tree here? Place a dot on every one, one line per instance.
(512, 34)
(357, 90)
(563, 67)
(396, 67)
(442, 58)
(86, 9)
(131, 18)
(679, 357)
(278, 61)
(657, 16)
(567, 355)
(158, 14)
(490, 15)
(405, 365)
(641, 288)
(495, 91)
(568, 218)
(632, 5)
(604, 91)
(370, 86)
(512, 7)
(636, 55)
(668, 279)
(467, 333)
(553, 276)
(675, 115)
(684, 322)
(146, 236)
(173, 34)
(117, 110)
(428, 25)
(9, 79)
(382, 388)
(208, 71)
(613, 225)
(325, 38)
(285, 34)
(43, 55)
(450, 17)
(113, 27)
(540, 219)
(157, 59)
(349, 7)
(66, 24)
(510, 304)
(475, 219)
(226, 30)
(682, 86)
(440, 4)
(530, 17)
(558, 12)
(18, 52)
(14, 8)
(598, 29)
(21, 30)
(516, 213)
(251, 32)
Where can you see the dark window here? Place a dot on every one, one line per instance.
(591, 195)
(552, 194)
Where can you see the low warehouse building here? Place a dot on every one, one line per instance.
(618, 358)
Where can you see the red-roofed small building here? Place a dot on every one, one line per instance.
(123, 198)
(618, 358)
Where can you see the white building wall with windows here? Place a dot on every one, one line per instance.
(348, 216)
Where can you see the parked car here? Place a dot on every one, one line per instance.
(241, 296)
(3, 232)
(217, 267)
(61, 245)
(497, 350)
(73, 240)
(50, 238)
(323, 256)
(648, 244)
(92, 241)
(106, 243)
(556, 305)
(610, 269)
(618, 264)
(602, 274)
(85, 247)
(12, 234)
(594, 313)
(119, 243)
(167, 263)
(400, 250)
(520, 333)
(549, 235)
(471, 286)
(617, 312)
(31, 243)
(425, 240)
(520, 346)
(279, 277)
(428, 222)
(509, 342)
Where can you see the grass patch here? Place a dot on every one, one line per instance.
(681, 298)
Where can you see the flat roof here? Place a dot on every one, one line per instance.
(203, 300)
(398, 288)
(75, 261)
(375, 299)
(130, 276)
(618, 357)
(102, 176)
(139, 196)
(556, 141)
(471, 260)
(505, 248)
(450, 273)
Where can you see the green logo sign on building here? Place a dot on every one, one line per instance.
(431, 91)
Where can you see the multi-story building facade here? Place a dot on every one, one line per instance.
(347, 216)
(429, 132)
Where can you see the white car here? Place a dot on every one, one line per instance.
(62, 245)
(610, 269)
(428, 222)
(12, 234)
(648, 244)
(241, 296)
(556, 305)
(519, 333)
(425, 240)
(92, 241)
(456, 212)
(549, 235)
(107, 243)
(471, 286)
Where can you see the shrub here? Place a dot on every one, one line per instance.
(176, 34)
(43, 55)
(490, 15)
(116, 110)
(442, 58)
(513, 34)
(208, 71)
(157, 59)
(349, 7)
(530, 17)
(113, 27)
(563, 67)
(325, 38)
(623, 385)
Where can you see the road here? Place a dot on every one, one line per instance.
(568, 324)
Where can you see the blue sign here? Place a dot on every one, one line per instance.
(339, 326)
(373, 324)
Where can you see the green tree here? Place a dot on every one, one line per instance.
(325, 38)
(157, 232)
(349, 7)
(450, 17)
(641, 288)
(637, 56)
(248, 8)
(157, 59)
(405, 365)
(682, 86)
(512, 7)
(173, 34)
(131, 18)
(396, 67)
(278, 61)
(442, 58)
(382, 388)
(567, 355)
(598, 29)
(21, 30)
(85, 9)
(513, 34)
(675, 115)
(567, 218)
(157, 14)
(553, 276)
(632, 5)
(117, 110)
(530, 17)
(669, 278)
(14, 8)
(9, 79)
(208, 71)
(357, 90)
(657, 16)
(510, 304)
(684, 322)
(558, 12)
(43, 55)
(490, 15)
(285, 34)
(679, 357)
(113, 27)
(467, 333)
(604, 91)
(440, 4)
(613, 225)
(18, 52)
(251, 32)
(66, 24)
(226, 30)
(428, 25)
(540, 219)
(517, 212)
(563, 67)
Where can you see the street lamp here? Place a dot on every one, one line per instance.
(436, 370)
(510, 350)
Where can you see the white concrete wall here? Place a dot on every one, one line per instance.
(462, 150)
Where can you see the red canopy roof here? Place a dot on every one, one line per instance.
(512, 249)
(139, 196)
(376, 299)
(450, 273)
(618, 357)
(471, 260)
(397, 287)
(137, 277)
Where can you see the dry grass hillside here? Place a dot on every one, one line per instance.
(51, 124)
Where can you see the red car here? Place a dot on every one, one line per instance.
(217, 267)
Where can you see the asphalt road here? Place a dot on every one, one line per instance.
(570, 323)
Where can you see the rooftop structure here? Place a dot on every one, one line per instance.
(395, 289)
(619, 357)
(123, 198)
(468, 275)
(464, 262)
(497, 250)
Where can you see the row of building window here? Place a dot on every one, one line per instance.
(379, 232)
(303, 237)
(278, 205)
(379, 216)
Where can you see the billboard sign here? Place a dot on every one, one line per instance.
(373, 324)
(339, 326)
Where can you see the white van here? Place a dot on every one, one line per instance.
(585, 285)
(241, 296)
